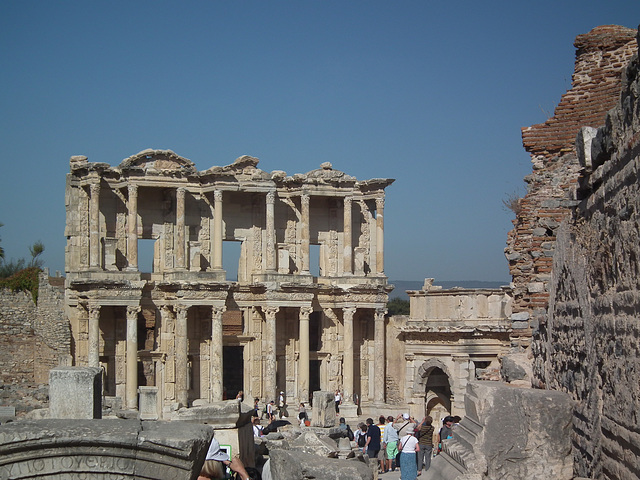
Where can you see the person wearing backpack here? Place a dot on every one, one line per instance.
(361, 436)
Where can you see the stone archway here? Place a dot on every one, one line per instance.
(434, 381)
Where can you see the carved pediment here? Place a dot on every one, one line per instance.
(158, 160)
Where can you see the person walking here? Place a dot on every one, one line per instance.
(409, 447)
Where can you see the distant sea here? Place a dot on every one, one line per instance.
(403, 285)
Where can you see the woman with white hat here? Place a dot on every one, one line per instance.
(408, 446)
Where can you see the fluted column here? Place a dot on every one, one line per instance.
(347, 378)
(181, 355)
(131, 384)
(132, 228)
(94, 335)
(303, 368)
(217, 230)
(378, 359)
(271, 232)
(216, 352)
(94, 225)
(380, 235)
(180, 233)
(304, 233)
(270, 380)
(348, 249)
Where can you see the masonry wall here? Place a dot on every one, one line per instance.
(33, 339)
(590, 345)
(601, 56)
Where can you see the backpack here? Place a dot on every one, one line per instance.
(362, 440)
(350, 434)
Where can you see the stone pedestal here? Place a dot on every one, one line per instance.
(349, 411)
(324, 410)
(148, 403)
(75, 393)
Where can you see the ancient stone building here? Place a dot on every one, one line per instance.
(601, 57)
(181, 325)
(449, 338)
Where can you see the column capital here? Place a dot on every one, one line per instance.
(270, 312)
(181, 310)
(218, 310)
(349, 312)
(94, 188)
(379, 203)
(304, 199)
(133, 310)
(348, 201)
(305, 312)
(271, 196)
(381, 312)
(94, 310)
(132, 189)
(180, 191)
(217, 195)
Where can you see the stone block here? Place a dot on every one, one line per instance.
(75, 393)
(104, 449)
(324, 409)
(509, 432)
(148, 403)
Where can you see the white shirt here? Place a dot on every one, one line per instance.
(410, 445)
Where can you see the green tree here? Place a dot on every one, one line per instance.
(397, 306)
(36, 250)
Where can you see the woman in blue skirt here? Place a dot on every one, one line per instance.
(408, 445)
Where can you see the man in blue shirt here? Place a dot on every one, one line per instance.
(373, 439)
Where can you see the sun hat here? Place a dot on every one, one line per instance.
(214, 452)
(405, 416)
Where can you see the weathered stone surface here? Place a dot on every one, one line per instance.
(289, 465)
(509, 433)
(75, 392)
(324, 412)
(588, 345)
(102, 449)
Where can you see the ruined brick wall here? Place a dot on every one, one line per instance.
(601, 56)
(590, 346)
(33, 339)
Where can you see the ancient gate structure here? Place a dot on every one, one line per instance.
(181, 325)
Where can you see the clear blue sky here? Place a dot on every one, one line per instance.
(430, 93)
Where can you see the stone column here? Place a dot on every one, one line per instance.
(303, 368)
(270, 374)
(180, 240)
(271, 232)
(347, 380)
(181, 355)
(216, 352)
(131, 384)
(132, 231)
(380, 235)
(94, 335)
(348, 249)
(304, 233)
(217, 230)
(379, 358)
(94, 225)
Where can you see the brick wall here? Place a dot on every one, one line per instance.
(601, 56)
(590, 346)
